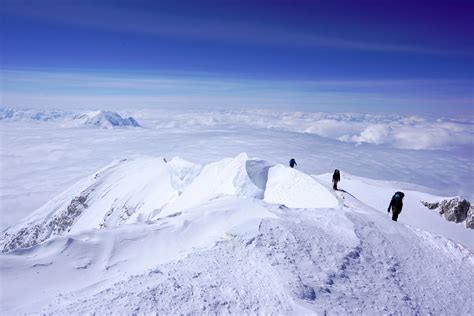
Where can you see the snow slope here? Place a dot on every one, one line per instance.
(378, 193)
(239, 235)
(144, 189)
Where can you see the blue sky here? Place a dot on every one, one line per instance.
(365, 56)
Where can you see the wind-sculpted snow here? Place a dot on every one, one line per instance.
(231, 251)
(147, 189)
(124, 192)
(287, 186)
(101, 118)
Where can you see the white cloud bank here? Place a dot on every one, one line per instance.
(411, 132)
(391, 130)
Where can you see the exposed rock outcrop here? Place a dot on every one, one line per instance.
(470, 218)
(29, 236)
(454, 209)
(431, 206)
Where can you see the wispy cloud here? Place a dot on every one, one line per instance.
(177, 27)
(69, 89)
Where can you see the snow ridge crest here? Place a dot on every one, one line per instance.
(147, 189)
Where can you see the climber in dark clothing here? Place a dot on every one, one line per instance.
(336, 177)
(293, 163)
(396, 204)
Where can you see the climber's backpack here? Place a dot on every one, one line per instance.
(397, 199)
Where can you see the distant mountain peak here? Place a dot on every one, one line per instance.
(106, 119)
(100, 118)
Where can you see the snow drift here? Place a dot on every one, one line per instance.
(146, 189)
(239, 235)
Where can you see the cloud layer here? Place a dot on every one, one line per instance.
(411, 132)
(391, 130)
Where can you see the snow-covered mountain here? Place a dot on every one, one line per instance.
(105, 119)
(239, 235)
(100, 118)
(147, 189)
(7, 114)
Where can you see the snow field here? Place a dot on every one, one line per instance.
(239, 235)
(300, 261)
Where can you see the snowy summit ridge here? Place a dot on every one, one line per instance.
(239, 235)
(147, 189)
